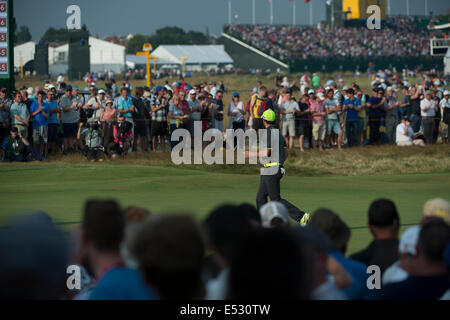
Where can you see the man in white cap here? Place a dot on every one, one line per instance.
(274, 214)
(428, 112)
(407, 249)
(95, 104)
(445, 111)
(194, 108)
(437, 207)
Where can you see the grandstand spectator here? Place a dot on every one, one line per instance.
(429, 280)
(257, 108)
(217, 105)
(53, 121)
(445, 112)
(20, 115)
(159, 105)
(384, 224)
(236, 112)
(194, 109)
(318, 121)
(5, 120)
(333, 108)
(40, 113)
(405, 106)
(70, 115)
(257, 260)
(175, 117)
(224, 228)
(339, 234)
(17, 149)
(140, 116)
(288, 109)
(92, 148)
(375, 105)
(416, 115)
(352, 106)
(108, 117)
(391, 107)
(125, 105)
(123, 137)
(102, 233)
(170, 252)
(428, 113)
(303, 123)
(405, 135)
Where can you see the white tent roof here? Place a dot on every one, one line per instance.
(24, 51)
(195, 54)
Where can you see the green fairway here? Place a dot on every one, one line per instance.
(61, 189)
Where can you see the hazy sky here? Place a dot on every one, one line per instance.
(107, 17)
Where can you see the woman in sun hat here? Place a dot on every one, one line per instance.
(108, 116)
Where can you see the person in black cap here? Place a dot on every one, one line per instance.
(384, 224)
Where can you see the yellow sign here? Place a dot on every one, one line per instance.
(357, 9)
(149, 76)
(183, 60)
(147, 47)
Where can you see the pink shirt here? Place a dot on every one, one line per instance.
(317, 107)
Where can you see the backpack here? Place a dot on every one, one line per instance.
(446, 115)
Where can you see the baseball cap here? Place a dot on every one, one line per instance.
(75, 87)
(14, 129)
(69, 88)
(345, 88)
(254, 90)
(437, 207)
(159, 88)
(236, 94)
(311, 91)
(192, 92)
(273, 210)
(30, 91)
(408, 240)
(50, 86)
(446, 93)
(188, 87)
(93, 84)
(428, 92)
(269, 116)
(389, 89)
(101, 91)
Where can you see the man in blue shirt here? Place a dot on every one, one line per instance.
(103, 229)
(40, 113)
(375, 105)
(352, 105)
(339, 235)
(125, 105)
(53, 124)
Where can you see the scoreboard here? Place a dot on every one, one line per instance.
(4, 40)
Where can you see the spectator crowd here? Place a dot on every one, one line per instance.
(112, 122)
(400, 37)
(236, 253)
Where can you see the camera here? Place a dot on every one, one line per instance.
(92, 125)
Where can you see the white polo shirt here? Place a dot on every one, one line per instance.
(401, 137)
(425, 104)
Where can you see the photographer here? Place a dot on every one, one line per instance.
(17, 148)
(123, 136)
(93, 149)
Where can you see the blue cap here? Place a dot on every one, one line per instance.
(236, 94)
(188, 87)
(159, 88)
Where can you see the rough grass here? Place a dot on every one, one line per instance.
(369, 160)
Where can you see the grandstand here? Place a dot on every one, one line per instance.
(400, 37)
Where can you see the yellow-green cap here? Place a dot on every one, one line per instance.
(269, 116)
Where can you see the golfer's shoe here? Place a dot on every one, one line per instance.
(305, 220)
